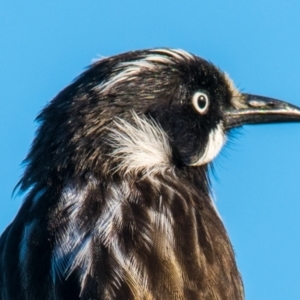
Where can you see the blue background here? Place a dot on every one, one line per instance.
(45, 44)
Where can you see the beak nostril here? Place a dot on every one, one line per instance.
(257, 103)
(259, 110)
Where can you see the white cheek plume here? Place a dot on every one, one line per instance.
(216, 140)
(140, 146)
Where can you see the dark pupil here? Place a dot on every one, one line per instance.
(201, 102)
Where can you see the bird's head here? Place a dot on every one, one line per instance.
(143, 110)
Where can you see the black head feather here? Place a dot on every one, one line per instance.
(119, 204)
(155, 84)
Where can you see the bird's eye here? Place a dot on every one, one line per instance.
(201, 102)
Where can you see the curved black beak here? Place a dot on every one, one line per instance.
(258, 110)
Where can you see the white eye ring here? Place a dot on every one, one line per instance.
(201, 102)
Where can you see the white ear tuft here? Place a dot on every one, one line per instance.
(140, 146)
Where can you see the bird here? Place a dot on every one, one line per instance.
(118, 200)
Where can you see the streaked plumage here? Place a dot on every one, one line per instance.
(118, 203)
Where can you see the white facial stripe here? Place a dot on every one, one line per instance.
(216, 140)
(125, 71)
(176, 53)
(231, 85)
(126, 74)
(237, 99)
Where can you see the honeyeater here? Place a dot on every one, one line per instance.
(118, 202)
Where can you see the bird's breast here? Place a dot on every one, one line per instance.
(151, 238)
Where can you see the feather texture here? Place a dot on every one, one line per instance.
(117, 208)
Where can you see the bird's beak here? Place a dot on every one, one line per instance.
(257, 110)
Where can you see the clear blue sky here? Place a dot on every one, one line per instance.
(45, 44)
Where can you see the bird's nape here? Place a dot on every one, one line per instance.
(119, 202)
